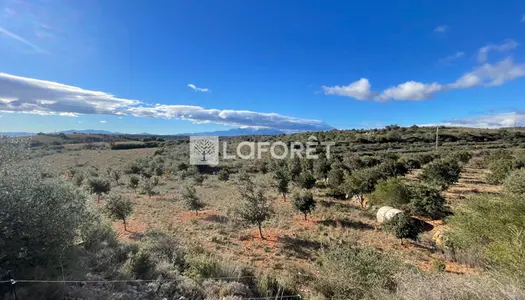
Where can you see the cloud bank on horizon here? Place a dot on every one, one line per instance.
(34, 96)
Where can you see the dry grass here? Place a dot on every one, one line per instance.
(291, 242)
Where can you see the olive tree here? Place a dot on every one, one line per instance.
(443, 172)
(99, 186)
(119, 208)
(306, 180)
(256, 208)
(191, 200)
(304, 202)
(39, 217)
(282, 180)
(361, 182)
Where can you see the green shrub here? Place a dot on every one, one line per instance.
(514, 183)
(306, 180)
(442, 172)
(224, 175)
(353, 273)
(392, 192)
(118, 208)
(492, 225)
(133, 181)
(141, 265)
(499, 169)
(427, 200)
(402, 226)
(304, 202)
(98, 186)
(191, 200)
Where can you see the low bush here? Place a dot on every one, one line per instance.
(426, 200)
(353, 273)
(402, 226)
(392, 192)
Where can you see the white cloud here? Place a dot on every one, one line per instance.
(490, 75)
(411, 90)
(449, 59)
(507, 45)
(442, 29)
(197, 89)
(509, 119)
(103, 122)
(240, 118)
(359, 89)
(523, 18)
(21, 39)
(33, 96)
(486, 75)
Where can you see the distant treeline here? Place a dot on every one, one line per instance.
(126, 146)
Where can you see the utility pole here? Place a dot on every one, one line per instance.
(437, 138)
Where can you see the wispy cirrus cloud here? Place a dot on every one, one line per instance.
(451, 58)
(442, 29)
(507, 45)
(34, 96)
(484, 75)
(197, 89)
(20, 39)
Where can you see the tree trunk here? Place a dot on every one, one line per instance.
(124, 221)
(284, 196)
(260, 231)
(305, 216)
(98, 198)
(361, 199)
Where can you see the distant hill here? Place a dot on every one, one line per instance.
(15, 134)
(237, 132)
(231, 132)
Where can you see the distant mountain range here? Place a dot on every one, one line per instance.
(231, 132)
(237, 132)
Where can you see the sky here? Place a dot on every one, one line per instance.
(174, 66)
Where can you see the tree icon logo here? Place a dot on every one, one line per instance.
(204, 150)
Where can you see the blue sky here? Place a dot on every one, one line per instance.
(188, 66)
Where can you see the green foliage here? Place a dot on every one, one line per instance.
(191, 200)
(461, 156)
(78, 179)
(443, 172)
(224, 175)
(198, 179)
(256, 208)
(294, 168)
(402, 226)
(514, 183)
(492, 225)
(391, 168)
(133, 181)
(427, 200)
(392, 192)
(118, 208)
(40, 217)
(115, 175)
(361, 182)
(127, 146)
(410, 162)
(352, 273)
(306, 180)
(304, 202)
(141, 264)
(335, 176)
(321, 168)
(147, 187)
(99, 186)
(282, 179)
(499, 169)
